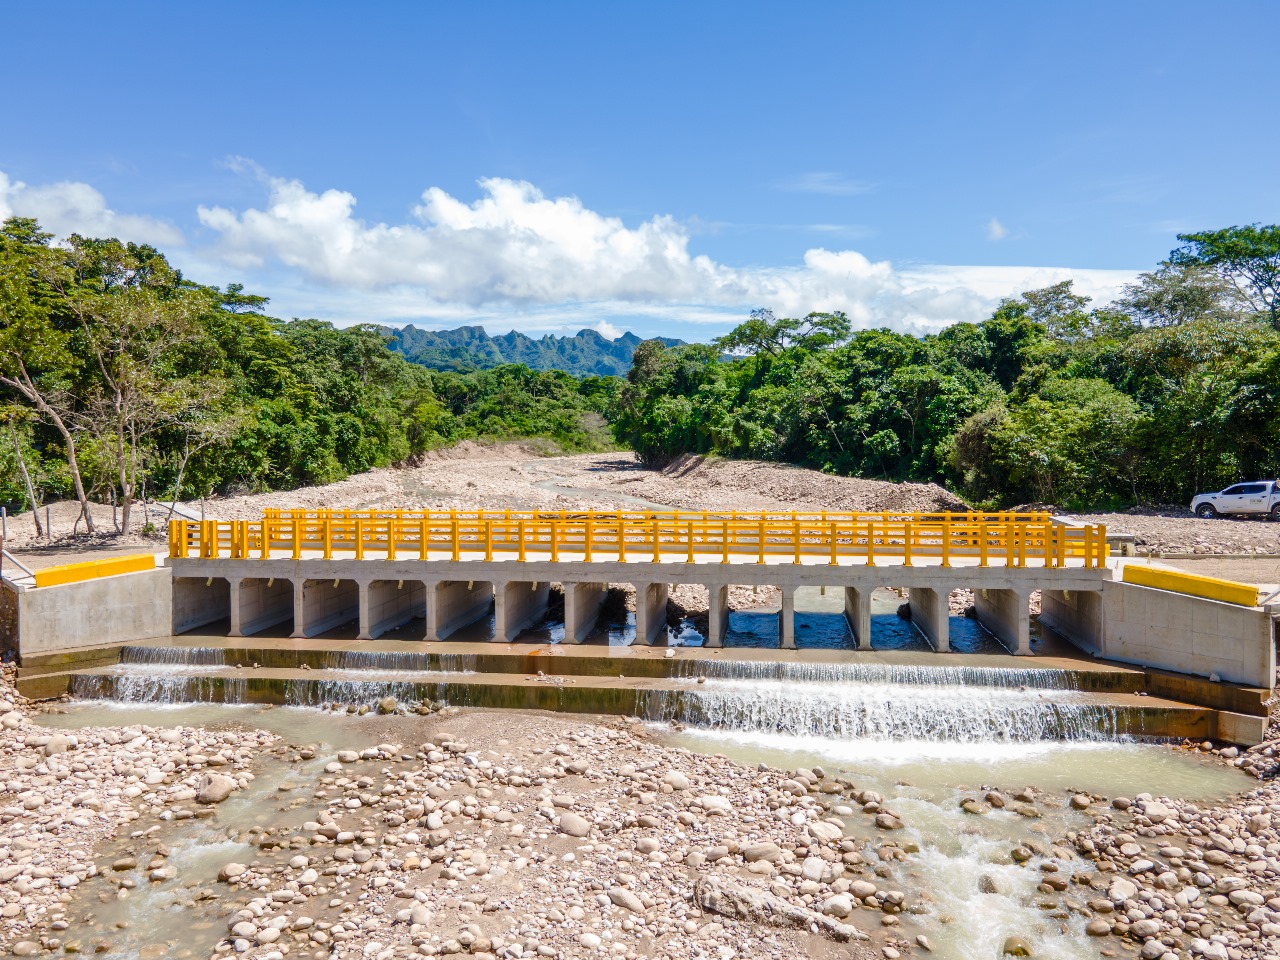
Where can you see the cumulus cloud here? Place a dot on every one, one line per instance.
(69, 207)
(996, 230)
(515, 258)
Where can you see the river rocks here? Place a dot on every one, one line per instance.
(621, 897)
(1098, 928)
(747, 903)
(767, 851)
(215, 787)
(1016, 947)
(388, 705)
(677, 780)
(231, 871)
(573, 825)
(1155, 811)
(841, 905)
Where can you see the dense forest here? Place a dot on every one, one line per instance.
(120, 378)
(1173, 389)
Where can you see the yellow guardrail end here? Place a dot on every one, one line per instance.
(1193, 584)
(93, 569)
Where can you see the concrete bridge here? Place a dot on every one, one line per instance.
(386, 568)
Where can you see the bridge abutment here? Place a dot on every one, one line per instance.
(582, 604)
(1007, 614)
(931, 612)
(651, 610)
(454, 604)
(518, 604)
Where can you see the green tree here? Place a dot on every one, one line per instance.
(1247, 257)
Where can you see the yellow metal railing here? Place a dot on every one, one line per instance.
(998, 539)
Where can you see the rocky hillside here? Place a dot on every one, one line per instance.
(587, 353)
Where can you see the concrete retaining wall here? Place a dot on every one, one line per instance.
(1170, 631)
(132, 606)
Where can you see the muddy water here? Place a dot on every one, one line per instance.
(979, 895)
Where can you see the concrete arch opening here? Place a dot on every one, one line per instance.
(199, 602)
(260, 603)
(454, 605)
(325, 605)
(391, 604)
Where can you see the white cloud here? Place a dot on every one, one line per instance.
(607, 330)
(69, 207)
(996, 230)
(826, 182)
(516, 259)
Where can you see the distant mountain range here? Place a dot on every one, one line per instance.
(470, 348)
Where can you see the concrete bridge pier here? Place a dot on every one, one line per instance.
(1007, 614)
(717, 615)
(320, 605)
(516, 605)
(931, 612)
(787, 619)
(651, 611)
(454, 604)
(582, 603)
(258, 603)
(857, 610)
(387, 604)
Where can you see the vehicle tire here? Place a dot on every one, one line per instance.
(1275, 512)
(1206, 511)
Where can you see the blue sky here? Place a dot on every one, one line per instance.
(662, 167)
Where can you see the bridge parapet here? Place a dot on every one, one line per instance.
(833, 538)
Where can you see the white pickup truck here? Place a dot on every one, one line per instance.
(1258, 497)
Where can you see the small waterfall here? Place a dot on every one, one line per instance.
(174, 656)
(879, 673)
(886, 711)
(397, 661)
(164, 688)
(359, 690)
